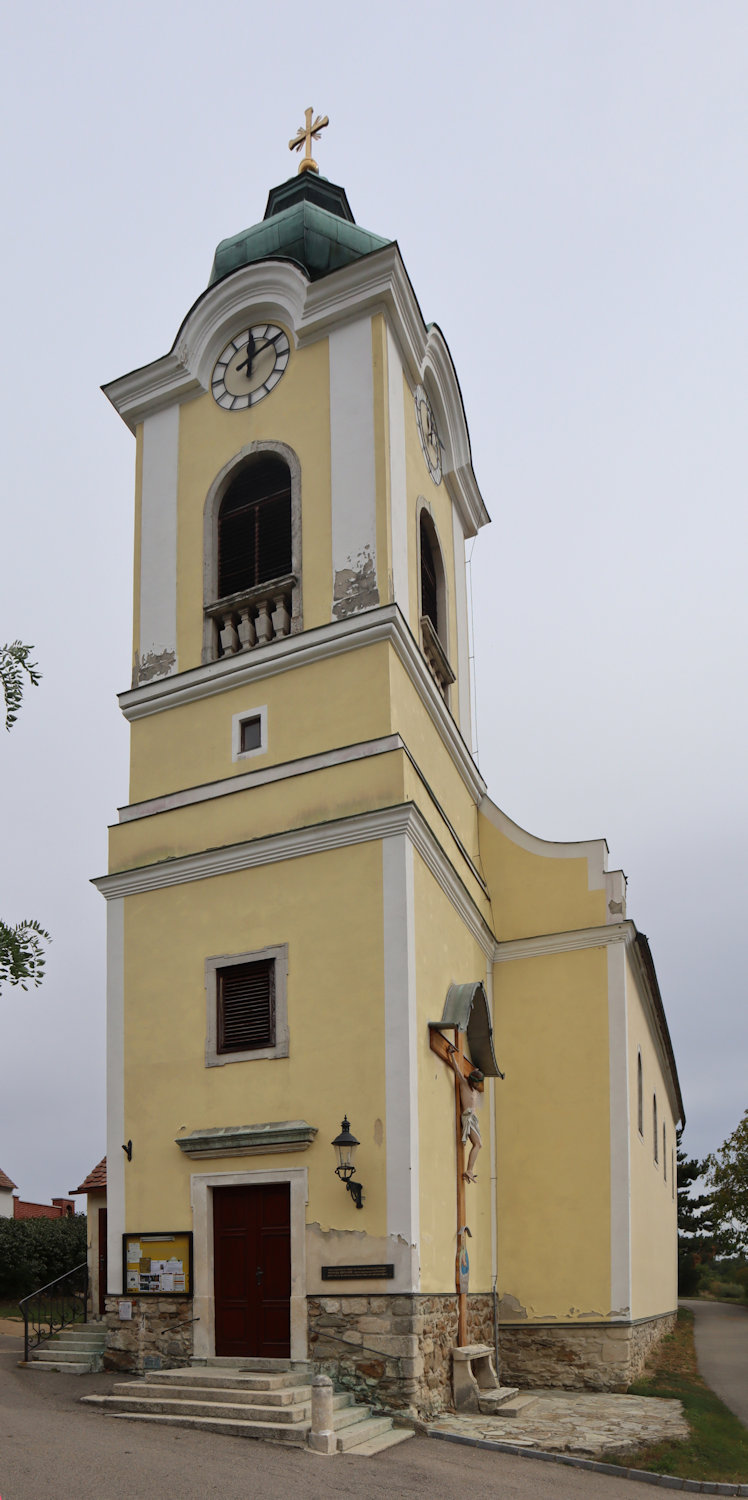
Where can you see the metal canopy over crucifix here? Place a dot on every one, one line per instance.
(465, 1013)
(304, 137)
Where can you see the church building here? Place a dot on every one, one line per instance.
(335, 966)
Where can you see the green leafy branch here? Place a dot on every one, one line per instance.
(14, 661)
(22, 954)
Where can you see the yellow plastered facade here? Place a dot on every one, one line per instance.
(360, 840)
(554, 1140)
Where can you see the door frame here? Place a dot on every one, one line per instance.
(201, 1194)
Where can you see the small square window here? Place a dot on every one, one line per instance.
(250, 734)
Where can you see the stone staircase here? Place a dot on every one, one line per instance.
(263, 1401)
(76, 1350)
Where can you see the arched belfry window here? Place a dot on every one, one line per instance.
(429, 595)
(433, 602)
(252, 552)
(639, 1094)
(254, 526)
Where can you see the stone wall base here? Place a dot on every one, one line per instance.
(157, 1337)
(588, 1356)
(395, 1350)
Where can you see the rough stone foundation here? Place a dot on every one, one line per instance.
(574, 1356)
(157, 1337)
(395, 1350)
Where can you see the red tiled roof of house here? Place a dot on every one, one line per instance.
(96, 1179)
(5, 1181)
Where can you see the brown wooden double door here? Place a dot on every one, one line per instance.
(252, 1250)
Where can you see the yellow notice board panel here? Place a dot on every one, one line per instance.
(157, 1264)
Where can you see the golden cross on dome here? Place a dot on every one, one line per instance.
(304, 137)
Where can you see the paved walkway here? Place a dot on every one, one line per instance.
(721, 1334)
(50, 1445)
(582, 1424)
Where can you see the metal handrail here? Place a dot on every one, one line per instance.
(62, 1306)
(317, 1334)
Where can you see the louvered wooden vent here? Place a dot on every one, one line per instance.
(254, 527)
(246, 1006)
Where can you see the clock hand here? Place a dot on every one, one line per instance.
(246, 364)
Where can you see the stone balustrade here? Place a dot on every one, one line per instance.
(435, 655)
(253, 618)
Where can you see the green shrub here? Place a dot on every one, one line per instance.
(726, 1289)
(36, 1251)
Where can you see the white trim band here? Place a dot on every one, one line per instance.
(387, 822)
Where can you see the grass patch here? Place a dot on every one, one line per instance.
(10, 1310)
(717, 1449)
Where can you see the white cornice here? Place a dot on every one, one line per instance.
(564, 942)
(366, 629)
(340, 833)
(278, 290)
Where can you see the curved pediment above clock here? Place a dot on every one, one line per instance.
(270, 292)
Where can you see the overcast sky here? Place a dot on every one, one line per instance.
(566, 180)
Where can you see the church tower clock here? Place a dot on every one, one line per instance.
(304, 885)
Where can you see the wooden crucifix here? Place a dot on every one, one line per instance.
(468, 1083)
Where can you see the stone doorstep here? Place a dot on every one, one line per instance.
(294, 1395)
(251, 1380)
(61, 1367)
(509, 1402)
(247, 1364)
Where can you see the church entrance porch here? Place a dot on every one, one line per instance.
(252, 1269)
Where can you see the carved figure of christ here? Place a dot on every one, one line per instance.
(470, 1129)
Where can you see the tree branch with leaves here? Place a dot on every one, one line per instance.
(727, 1177)
(22, 946)
(14, 661)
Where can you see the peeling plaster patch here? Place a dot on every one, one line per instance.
(355, 587)
(378, 1132)
(343, 1247)
(511, 1307)
(153, 664)
(615, 908)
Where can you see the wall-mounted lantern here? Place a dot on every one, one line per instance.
(346, 1145)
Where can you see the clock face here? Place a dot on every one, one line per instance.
(250, 366)
(429, 435)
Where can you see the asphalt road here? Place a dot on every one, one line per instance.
(721, 1335)
(52, 1447)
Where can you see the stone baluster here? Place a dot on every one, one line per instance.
(281, 617)
(322, 1436)
(263, 623)
(228, 635)
(247, 634)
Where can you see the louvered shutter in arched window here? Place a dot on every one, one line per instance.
(254, 527)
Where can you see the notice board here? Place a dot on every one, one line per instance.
(157, 1264)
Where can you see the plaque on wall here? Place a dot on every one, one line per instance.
(358, 1273)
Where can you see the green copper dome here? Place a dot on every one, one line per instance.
(307, 220)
